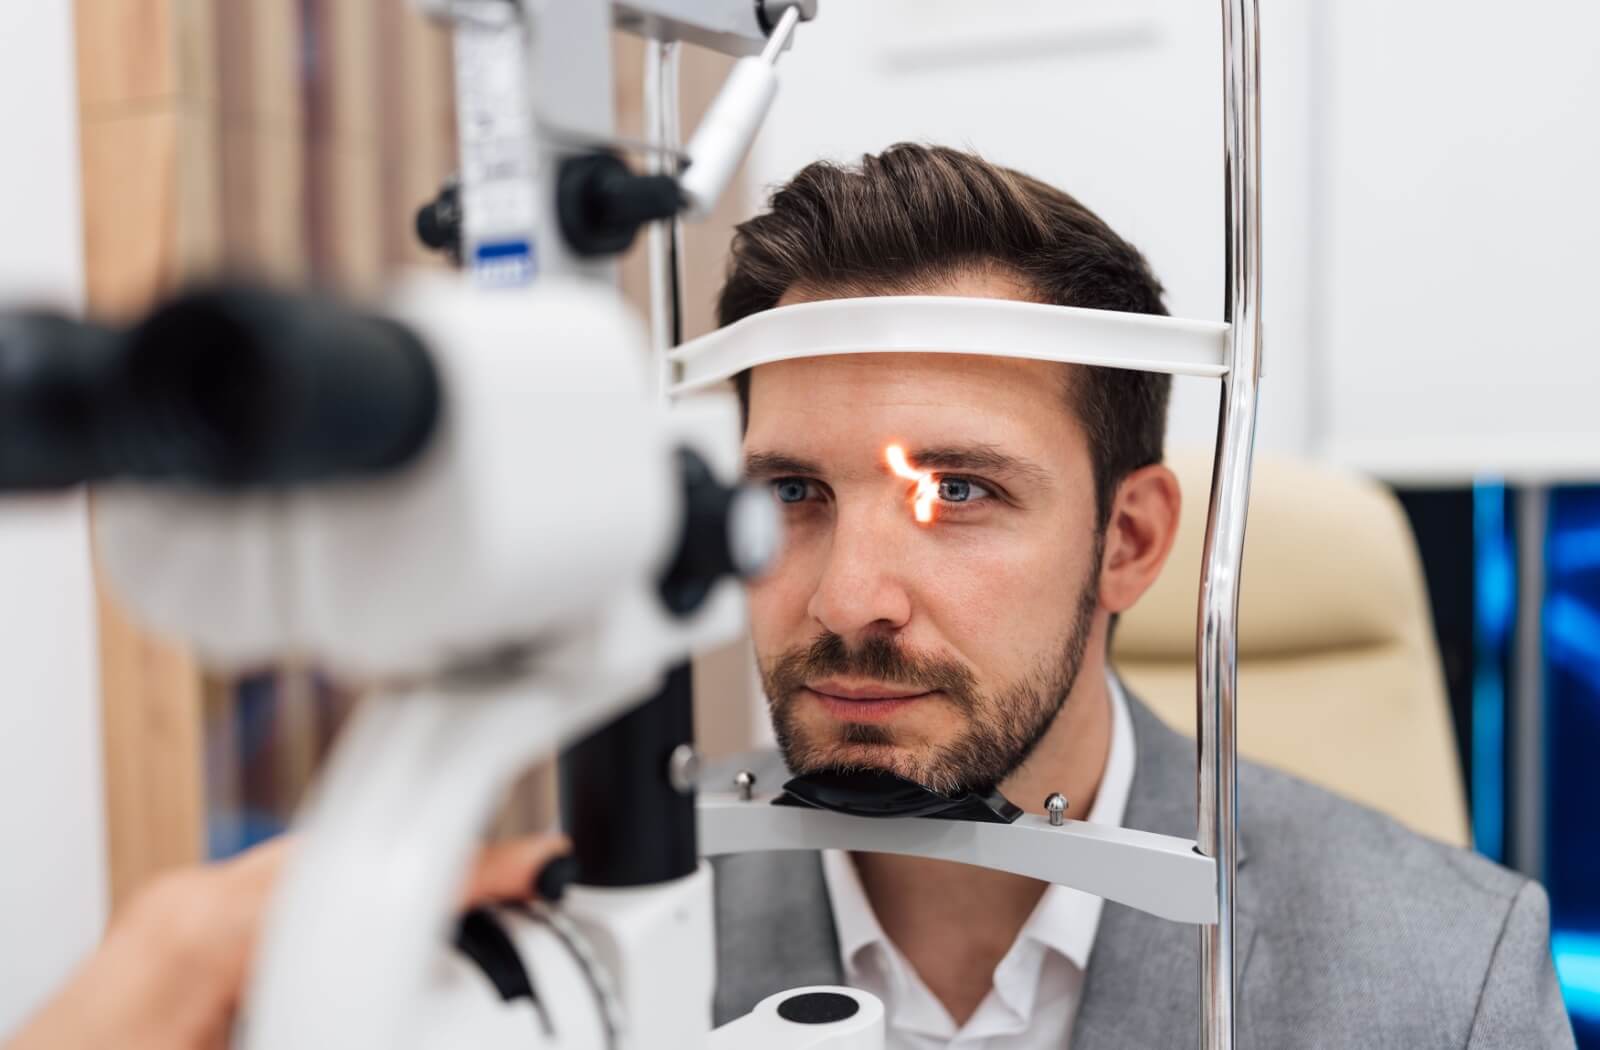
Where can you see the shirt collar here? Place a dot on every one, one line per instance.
(853, 917)
(1066, 920)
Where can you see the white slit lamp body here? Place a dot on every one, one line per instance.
(500, 594)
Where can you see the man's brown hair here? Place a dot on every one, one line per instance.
(912, 215)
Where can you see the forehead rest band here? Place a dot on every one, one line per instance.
(952, 325)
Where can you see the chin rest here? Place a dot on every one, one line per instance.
(874, 793)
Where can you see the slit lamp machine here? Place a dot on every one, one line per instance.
(278, 476)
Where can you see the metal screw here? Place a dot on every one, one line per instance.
(745, 781)
(1056, 806)
(683, 769)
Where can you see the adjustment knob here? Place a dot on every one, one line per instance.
(438, 222)
(728, 530)
(600, 204)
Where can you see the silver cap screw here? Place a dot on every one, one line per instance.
(683, 769)
(745, 781)
(1056, 806)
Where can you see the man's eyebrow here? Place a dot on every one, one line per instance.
(761, 466)
(982, 459)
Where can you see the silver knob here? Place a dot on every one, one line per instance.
(1056, 806)
(683, 769)
(745, 781)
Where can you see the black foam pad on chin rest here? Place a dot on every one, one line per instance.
(876, 793)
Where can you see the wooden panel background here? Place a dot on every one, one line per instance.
(151, 214)
(290, 140)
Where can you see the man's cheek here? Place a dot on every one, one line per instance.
(768, 622)
(777, 600)
(1000, 585)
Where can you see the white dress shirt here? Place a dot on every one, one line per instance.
(1037, 984)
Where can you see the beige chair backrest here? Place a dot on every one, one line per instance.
(1339, 674)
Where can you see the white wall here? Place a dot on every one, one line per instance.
(52, 833)
(1462, 268)
(1119, 103)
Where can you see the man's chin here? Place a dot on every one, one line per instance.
(856, 756)
(826, 746)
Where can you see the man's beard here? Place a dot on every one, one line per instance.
(1002, 729)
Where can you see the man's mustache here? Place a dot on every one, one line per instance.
(879, 658)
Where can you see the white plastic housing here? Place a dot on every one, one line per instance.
(730, 26)
(464, 1010)
(763, 1027)
(548, 486)
(657, 943)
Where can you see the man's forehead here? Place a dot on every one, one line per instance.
(900, 378)
(843, 411)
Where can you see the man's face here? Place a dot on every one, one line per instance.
(939, 651)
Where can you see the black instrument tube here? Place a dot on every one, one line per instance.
(244, 386)
(54, 374)
(629, 823)
(226, 386)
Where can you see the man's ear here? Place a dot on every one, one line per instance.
(1139, 535)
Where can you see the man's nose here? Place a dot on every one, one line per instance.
(861, 589)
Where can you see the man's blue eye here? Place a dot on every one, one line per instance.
(960, 490)
(791, 490)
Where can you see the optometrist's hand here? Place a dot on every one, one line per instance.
(173, 966)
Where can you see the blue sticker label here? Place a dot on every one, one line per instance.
(504, 262)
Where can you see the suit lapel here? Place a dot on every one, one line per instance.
(1142, 987)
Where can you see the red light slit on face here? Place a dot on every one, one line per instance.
(927, 484)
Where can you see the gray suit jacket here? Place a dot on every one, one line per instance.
(1352, 932)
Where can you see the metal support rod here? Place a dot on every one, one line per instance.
(662, 128)
(630, 824)
(1527, 696)
(1217, 638)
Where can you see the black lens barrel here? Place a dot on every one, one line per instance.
(55, 376)
(225, 386)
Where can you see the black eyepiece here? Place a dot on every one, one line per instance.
(225, 386)
(245, 386)
(55, 374)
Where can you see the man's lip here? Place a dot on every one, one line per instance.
(866, 692)
(865, 709)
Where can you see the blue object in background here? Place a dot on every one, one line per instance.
(1571, 632)
(1578, 967)
(231, 829)
(1570, 629)
(1494, 615)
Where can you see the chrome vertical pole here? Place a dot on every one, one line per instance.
(1217, 636)
(1527, 847)
(661, 128)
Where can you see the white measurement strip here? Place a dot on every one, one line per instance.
(495, 127)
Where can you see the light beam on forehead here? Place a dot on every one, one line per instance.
(927, 484)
